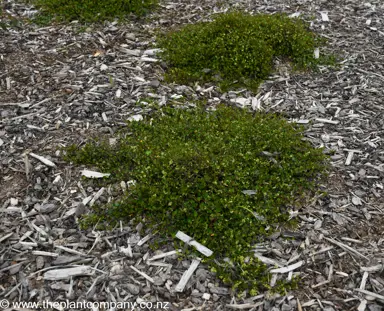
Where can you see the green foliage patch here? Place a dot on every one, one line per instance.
(7, 21)
(237, 49)
(224, 177)
(91, 10)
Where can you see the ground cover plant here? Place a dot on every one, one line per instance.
(224, 177)
(90, 10)
(237, 49)
(8, 21)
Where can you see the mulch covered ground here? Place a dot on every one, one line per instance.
(64, 83)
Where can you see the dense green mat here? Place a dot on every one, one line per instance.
(225, 177)
(238, 49)
(91, 10)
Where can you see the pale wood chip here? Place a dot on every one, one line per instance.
(147, 277)
(362, 306)
(364, 280)
(288, 268)
(187, 275)
(96, 196)
(327, 121)
(71, 251)
(144, 239)
(369, 293)
(43, 160)
(244, 305)
(372, 269)
(170, 253)
(320, 284)
(5, 237)
(299, 308)
(42, 253)
(93, 174)
(268, 261)
(347, 248)
(190, 241)
(63, 274)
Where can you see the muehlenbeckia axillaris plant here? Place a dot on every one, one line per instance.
(90, 10)
(223, 177)
(237, 49)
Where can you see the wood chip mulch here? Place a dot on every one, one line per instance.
(61, 84)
